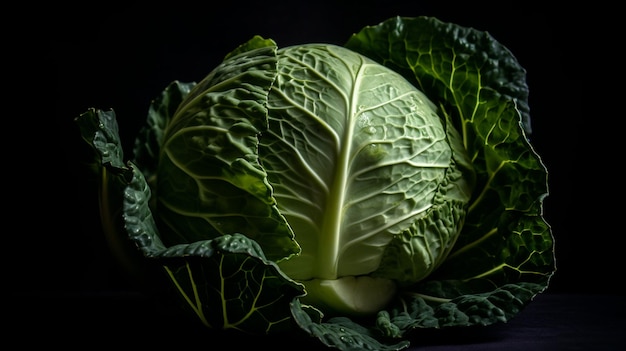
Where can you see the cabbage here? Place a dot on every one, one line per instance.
(353, 193)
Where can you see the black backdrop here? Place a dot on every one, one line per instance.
(122, 57)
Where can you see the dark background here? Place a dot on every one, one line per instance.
(121, 58)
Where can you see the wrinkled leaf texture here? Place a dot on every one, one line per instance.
(504, 255)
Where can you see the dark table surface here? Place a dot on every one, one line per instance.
(128, 319)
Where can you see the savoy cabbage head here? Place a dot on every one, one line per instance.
(354, 193)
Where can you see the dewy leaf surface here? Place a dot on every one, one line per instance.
(342, 333)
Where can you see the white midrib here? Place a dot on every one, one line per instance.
(329, 244)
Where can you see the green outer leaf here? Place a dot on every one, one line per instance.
(100, 130)
(227, 281)
(210, 149)
(162, 109)
(256, 42)
(446, 60)
(415, 311)
(481, 88)
(342, 333)
(228, 284)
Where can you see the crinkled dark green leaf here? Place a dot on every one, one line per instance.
(228, 286)
(100, 129)
(342, 333)
(481, 88)
(415, 311)
(227, 282)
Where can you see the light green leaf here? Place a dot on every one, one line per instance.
(355, 154)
